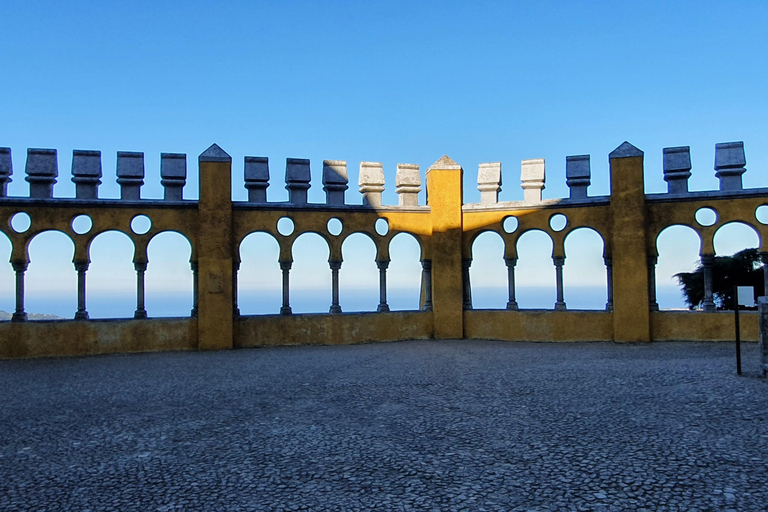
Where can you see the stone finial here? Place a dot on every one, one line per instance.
(729, 164)
(86, 173)
(42, 170)
(677, 169)
(578, 175)
(625, 150)
(489, 182)
(6, 169)
(297, 178)
(408, 184)
(532, 178)
(371, 183)
(257, 178)
(335, 181)
(173, 174)
(130, 174)
(214, 154)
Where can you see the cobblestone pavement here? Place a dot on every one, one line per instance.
(424, 425)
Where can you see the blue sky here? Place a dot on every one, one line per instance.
(385, 81)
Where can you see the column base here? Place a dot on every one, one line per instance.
(286, 310)
(512, 306)
(81, 315)
(383, 308)
(560, 306)
(19, 317)
(140, 313)
(335, 310)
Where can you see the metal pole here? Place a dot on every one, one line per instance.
(738, 334)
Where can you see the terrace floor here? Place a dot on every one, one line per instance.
(421, 425)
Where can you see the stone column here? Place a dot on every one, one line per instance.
(173, 174)
(383, 306)
(195, 289)
(466, 284)
(609, 283)
(42, 170)
(408, 184)
(297, 178)
(559, 261)
(335, 181)
(130, 174)
(489, 182)
(512, 302)
(426, 285)
(707, 261)
(285, 266)
(762, 308)
(335, 266)
(86, 173)
(82, 268)
(730, 164)
(6, 170)
(141, 268)
(532, 177)
(677, 169)
(371, 183)
(653, 305)
(256, 174)
(19, 267)
(578, 175)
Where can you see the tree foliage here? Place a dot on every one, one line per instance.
(742, 269)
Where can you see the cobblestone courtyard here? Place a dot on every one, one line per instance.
(450, 425)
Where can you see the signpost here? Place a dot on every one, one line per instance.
(745, 296)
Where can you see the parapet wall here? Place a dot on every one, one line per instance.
(628, 220)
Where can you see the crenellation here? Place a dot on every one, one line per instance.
(489, 182)
(256, 171)
(335, 181)
(730, 163)
(408, 184)
(677, 169)
(578, 175)
(297, 179)
(42, 170)
(371, 183)
(532, 179)
(173, 174)
(86, 173)
(130, 174)
(6, 170)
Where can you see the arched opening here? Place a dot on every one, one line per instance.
(737, 263)
(7, 279)
(51, 280)
(734, 237)
(111, 278)
(678, 247)
(169, 276)
(359, 275)
(310, 275)
(584, 274)
(535, 282)
(259, 281)
(404, 273)
(488, 272)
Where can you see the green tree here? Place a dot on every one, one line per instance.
(742, 269)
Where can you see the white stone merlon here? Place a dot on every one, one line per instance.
(6, 169)
(297, 178)
(86, 173)
(173, 175)
(677, 169)
(489, 182)
(42, 170)
(256, 175)
(532, 179)
(371, 183)
(130, 174)
(408, 184)
(730, 164)
(335, 181)
(578, 175)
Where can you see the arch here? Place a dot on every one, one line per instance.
(404, 272)
(259, 280)
(584, 274)
(735, 236)
(51, 280)
(169, 275)
(111, 281)
(535, 272)
(359, 275)
(488, 272)
(7, 277)
(678, 247)
(310, 274)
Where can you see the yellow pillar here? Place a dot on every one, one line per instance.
(444, 196)
(631, 317)
(214, 251)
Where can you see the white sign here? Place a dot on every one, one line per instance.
(746, 295)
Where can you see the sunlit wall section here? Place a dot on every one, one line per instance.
(584, 273)
(310, 275)
(259, 278)
(678, 248)
(169, 276)
(111, 278)
(404, 273)
(488, 272)
(535, 283)
(51, 279)
(7, 280)
(359, 275)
